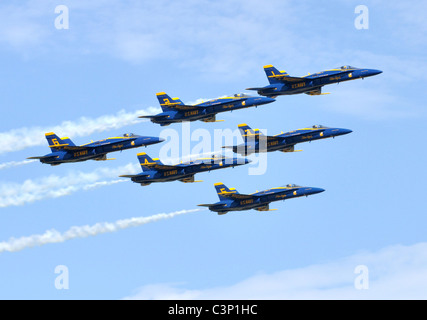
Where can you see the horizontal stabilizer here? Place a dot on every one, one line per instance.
(158, 116)
(256, 88)
(212, 205)
(128, 176)
(43, 157)
(134, 175)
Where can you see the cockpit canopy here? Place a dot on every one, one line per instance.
(292, 185)
(318, 126)
(129, 135)
(241, 95)
(347, 67)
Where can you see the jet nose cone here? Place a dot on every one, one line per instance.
(374, 72)
(316, 190)
(345, 131)
(156, 140)
(150, 140)
(320, 190)
(268, 100)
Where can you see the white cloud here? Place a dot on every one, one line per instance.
(214, 37)
(21, 27)
(395, 272)
(211, 36)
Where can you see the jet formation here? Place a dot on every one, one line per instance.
(63, 150)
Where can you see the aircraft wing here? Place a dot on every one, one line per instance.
(237, 196)
(75, 148)
(161, 167)
(79, 148)
(275, 138)
(67, 147)
(184, 107)
(258, 135)
(100, 144)
(187, 165)
(225, 102)
(302, 134)
(285, 78)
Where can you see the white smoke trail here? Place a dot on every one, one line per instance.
(18, 139)
(53, 186)
(11, 164)
(54, 236)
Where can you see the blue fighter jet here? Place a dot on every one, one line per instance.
(153, 170)
(231, 200)
(281, 83)
(255, 141)
(64, 150)
(174, 110)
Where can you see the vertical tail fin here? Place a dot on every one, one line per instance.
(222, 189)
(55, 143)
(272, 72)
(166, 102)
(247, 132)
(145, 161)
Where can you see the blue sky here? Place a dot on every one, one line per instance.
(94, 78)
